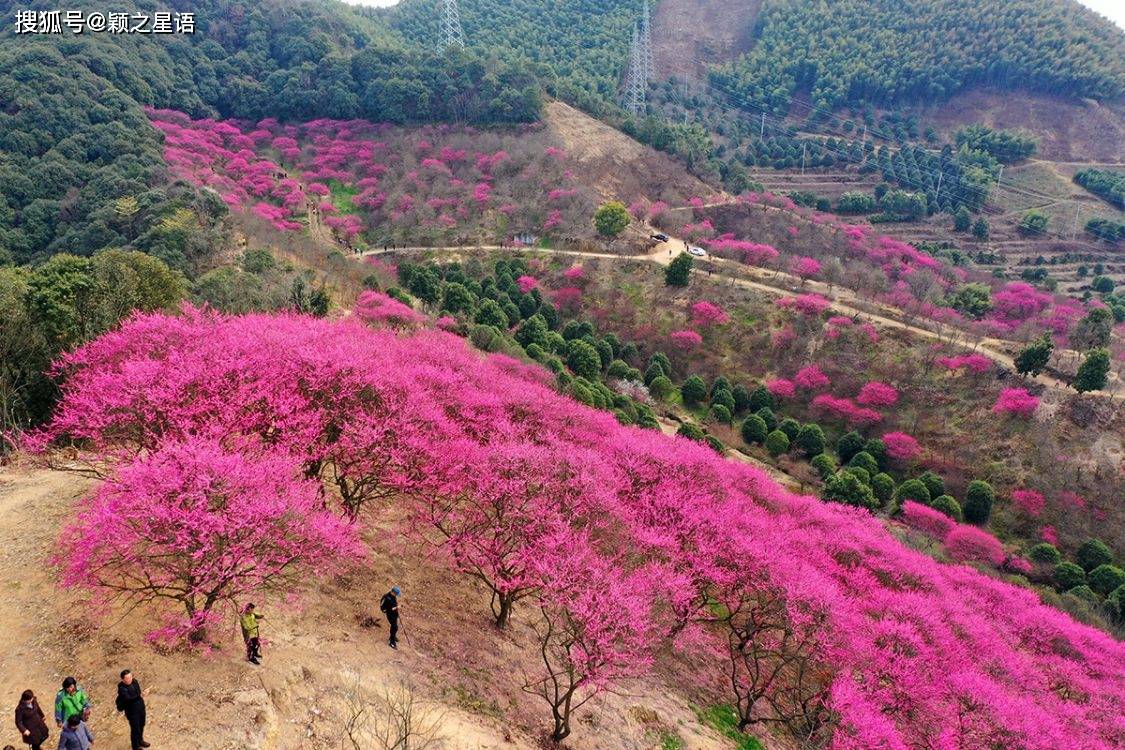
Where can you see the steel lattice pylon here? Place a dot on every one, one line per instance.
(647, 67)
(635, 84)
(451, 33)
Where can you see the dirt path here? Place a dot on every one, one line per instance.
(843, 301)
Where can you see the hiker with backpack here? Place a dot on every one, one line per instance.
(131, 702)
(388, 605)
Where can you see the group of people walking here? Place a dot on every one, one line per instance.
(72, 711)
(73, 705)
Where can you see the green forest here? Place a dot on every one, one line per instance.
(886, 51)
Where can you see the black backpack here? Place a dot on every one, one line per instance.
(386, 604)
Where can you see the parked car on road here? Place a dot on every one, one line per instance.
(660, 237)
(697, 251)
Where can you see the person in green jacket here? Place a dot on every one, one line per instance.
(249, 623)
(71, 701)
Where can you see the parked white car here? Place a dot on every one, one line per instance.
(697, 251)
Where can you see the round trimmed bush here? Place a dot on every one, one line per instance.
(810, 440)
(715, 444)
(694, 390)
(948, 505)
(978, 502)
(660, 387)
(1067, 575)
(849, 445)
(846, 488)
(1093, 553)
(691, 432)
(883, 485)
(768, 417)
(863, 474)
(824, 464)
(777, 442)
(791, 427)
(934, 483)
(723, 398)
(1105, 578)
(760, 398)
(1086, 594)
(719, 413)
(864, 460)
(754, 429)
(878, 450)
(914, 490)
(1115, 603)
(1045, 554)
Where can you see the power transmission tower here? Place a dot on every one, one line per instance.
(649, 68)
(451, 32)
(635, 87)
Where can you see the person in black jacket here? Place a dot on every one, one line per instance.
(131, 702)
(29, 721)
(388, 605)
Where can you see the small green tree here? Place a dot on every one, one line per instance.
(1034, 222)
(824, 464)
(694, 390)
(948, 505)
(660, 387)
(914, 490)
(863, 474)
(864, 460)
(883, 487)
(653, 372)
(1093, 373)
(611, 219)
(583, 359)
(849, 445)
(1045, 554)
(491, 314)
(741, 397)
(768, 417)
(719, 413)
(1067, 575)
(777, 442)
(660, 359)
(1105, 578)
(847, 488)
(1094, 330)
(791, 427)
(1035, 356)
(978, 502)
(962, 220)
(678, 272)
(980, 229)
(754, 429)
(531, 331)
(1093, 553)
(692, 432)
(723, 398)
(761, 398)
(810, 440)
(934, 483)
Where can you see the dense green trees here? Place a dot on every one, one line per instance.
(1106, 184)
(979, 498)
(1005, 146)
(63, 303)
(883, 51)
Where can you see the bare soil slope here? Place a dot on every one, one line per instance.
(463, 674)
(615, 164)
(1068, 129)
(692, 34)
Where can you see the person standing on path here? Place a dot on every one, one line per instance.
(71, 701)
(29, 721)
(249, 623)
(76, 735)
(388, 605)
(131, 702)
